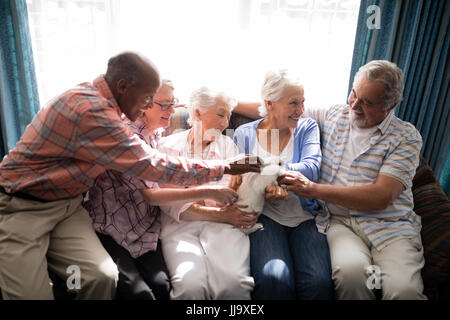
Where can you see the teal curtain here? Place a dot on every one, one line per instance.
(415, 35)
(445, 175)
(19, 100)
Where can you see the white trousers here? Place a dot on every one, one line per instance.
(358, 268)
(206, 260)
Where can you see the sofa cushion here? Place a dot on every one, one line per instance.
(433, 205)
(177, 121)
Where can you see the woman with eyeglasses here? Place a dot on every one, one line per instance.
(206, 252)
(126, 215)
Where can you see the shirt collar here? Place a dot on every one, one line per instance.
(383, 126)
(140, 124)
(102, 86)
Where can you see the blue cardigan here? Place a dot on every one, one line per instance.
(307, 153)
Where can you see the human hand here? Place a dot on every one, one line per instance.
(275, 193)
(240, 219)
(242, 164)
(222, 195)
(235, 182)
(298, 183)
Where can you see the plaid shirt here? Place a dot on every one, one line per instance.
(393, 151)
(118, 209)
(77, 137)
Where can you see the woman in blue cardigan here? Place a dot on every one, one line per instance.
(289, 258)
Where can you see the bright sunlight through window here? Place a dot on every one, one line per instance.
(227, 45)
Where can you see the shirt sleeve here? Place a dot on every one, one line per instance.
(174, 210)
(241, 140)
(225, 148)
(103, 139)
(138, 127)
(401, 163)
(310, 153)
(317, 114)
(134, 183)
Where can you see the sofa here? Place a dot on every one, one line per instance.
(430, 202)
(433, 206)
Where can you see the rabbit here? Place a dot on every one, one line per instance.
(252, 189)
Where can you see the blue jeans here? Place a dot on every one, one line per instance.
(290, 263)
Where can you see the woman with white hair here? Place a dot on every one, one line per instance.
(289, 258)
(126, 215)
(207, 256)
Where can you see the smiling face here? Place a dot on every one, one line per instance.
(286, 112)
(156, 117)
(366, 104)
(134, 99)
(216, 117)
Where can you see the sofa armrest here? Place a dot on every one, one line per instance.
(433, 206)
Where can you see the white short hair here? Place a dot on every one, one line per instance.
(204, 98)
(168, 83)
(388, 73)
(273, 87)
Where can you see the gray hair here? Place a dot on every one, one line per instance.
(203, 98)
(388, 73)
(129, 66)
(168, 83)
(273, 87)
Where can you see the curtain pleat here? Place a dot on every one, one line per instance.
(414, 35)
(19, 99)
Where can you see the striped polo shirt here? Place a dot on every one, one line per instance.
(393, 151)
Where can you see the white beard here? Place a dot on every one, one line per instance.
(357, 123)
(252, 190)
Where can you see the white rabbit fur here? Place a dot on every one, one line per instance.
(252, 190)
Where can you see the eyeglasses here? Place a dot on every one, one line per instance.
(167, 106)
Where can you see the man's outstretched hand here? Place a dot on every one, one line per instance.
(242, 164)
(297, 183)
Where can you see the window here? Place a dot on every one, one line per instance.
(227, 45)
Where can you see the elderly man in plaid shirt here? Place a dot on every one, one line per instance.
(65, 148)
